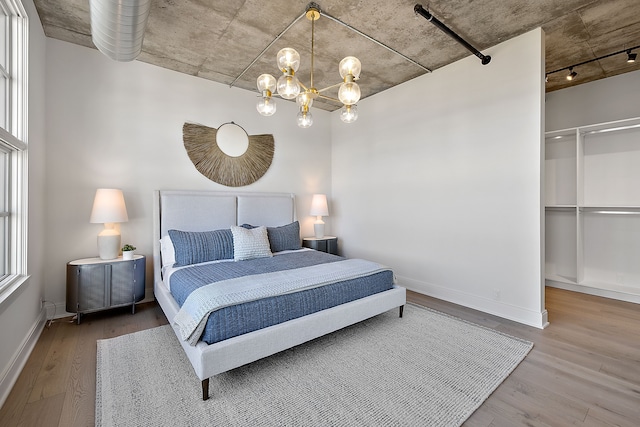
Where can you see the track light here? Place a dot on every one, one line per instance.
(631, 58)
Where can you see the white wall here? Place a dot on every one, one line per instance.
(119, 125)
(440, 178)
(21, 318)
(605, 100)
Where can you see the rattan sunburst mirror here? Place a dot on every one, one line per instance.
(228, 155)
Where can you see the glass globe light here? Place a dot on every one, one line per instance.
(288, 86)
(266, 82)
(288, 58)
(349, 93)
(305, 99)
(305, 119)
(266, 106)
(349, 113)
(350, 66)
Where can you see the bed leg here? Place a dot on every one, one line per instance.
(205, 389)
(401, 310)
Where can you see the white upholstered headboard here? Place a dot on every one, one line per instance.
(189, 210)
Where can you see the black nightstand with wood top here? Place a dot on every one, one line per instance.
(328, 244)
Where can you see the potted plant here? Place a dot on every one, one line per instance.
(127, 251)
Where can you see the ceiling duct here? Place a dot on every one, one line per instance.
(118, 26)
(418, 9)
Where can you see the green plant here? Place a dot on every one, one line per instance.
(128, 247)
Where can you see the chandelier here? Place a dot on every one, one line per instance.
(288, 86)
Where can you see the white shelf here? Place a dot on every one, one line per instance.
(592, 236)
(560, 168)
(562, 279)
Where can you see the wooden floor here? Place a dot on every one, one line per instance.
(584, 369)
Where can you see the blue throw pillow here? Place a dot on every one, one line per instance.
(193, 247)
(283, 238)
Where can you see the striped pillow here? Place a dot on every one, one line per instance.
(250, 243)
(193, 247)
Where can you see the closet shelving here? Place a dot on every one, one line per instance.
(592, 192)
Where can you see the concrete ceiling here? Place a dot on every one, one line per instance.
(217, 40)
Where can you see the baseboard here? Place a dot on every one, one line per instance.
(59, 310)
(148, 295)
(20, 358)
(497, 308)
(599, 292)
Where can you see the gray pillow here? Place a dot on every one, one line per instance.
(193, 247)
(283, 238)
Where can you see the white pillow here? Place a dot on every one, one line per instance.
(167, 252)
(250, 243)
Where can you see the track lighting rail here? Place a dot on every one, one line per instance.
(571, 67)
(419, 10)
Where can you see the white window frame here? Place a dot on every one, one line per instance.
(13, 139)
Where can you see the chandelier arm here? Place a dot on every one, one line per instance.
(273, 95)
(267, 48)
(329, 98)
(313, 26)
(329, 87)
(390, 49)
(302, 85)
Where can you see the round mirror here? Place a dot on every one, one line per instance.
(232, 140)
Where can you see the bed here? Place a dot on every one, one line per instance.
(202, 211)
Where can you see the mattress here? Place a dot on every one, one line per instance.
(247, 317)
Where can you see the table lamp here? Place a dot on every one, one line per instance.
(109, 208)
(319, 209)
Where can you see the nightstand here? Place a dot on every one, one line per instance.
(94, 284)
(328, 244)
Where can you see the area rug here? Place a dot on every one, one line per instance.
(425, 369)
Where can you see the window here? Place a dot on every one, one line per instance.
(13, 144)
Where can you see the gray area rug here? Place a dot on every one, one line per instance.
(425, 369)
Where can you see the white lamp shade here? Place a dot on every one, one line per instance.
(108, 206)
(319, 205)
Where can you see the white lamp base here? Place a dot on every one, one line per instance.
(318, 228)
(109, 242)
